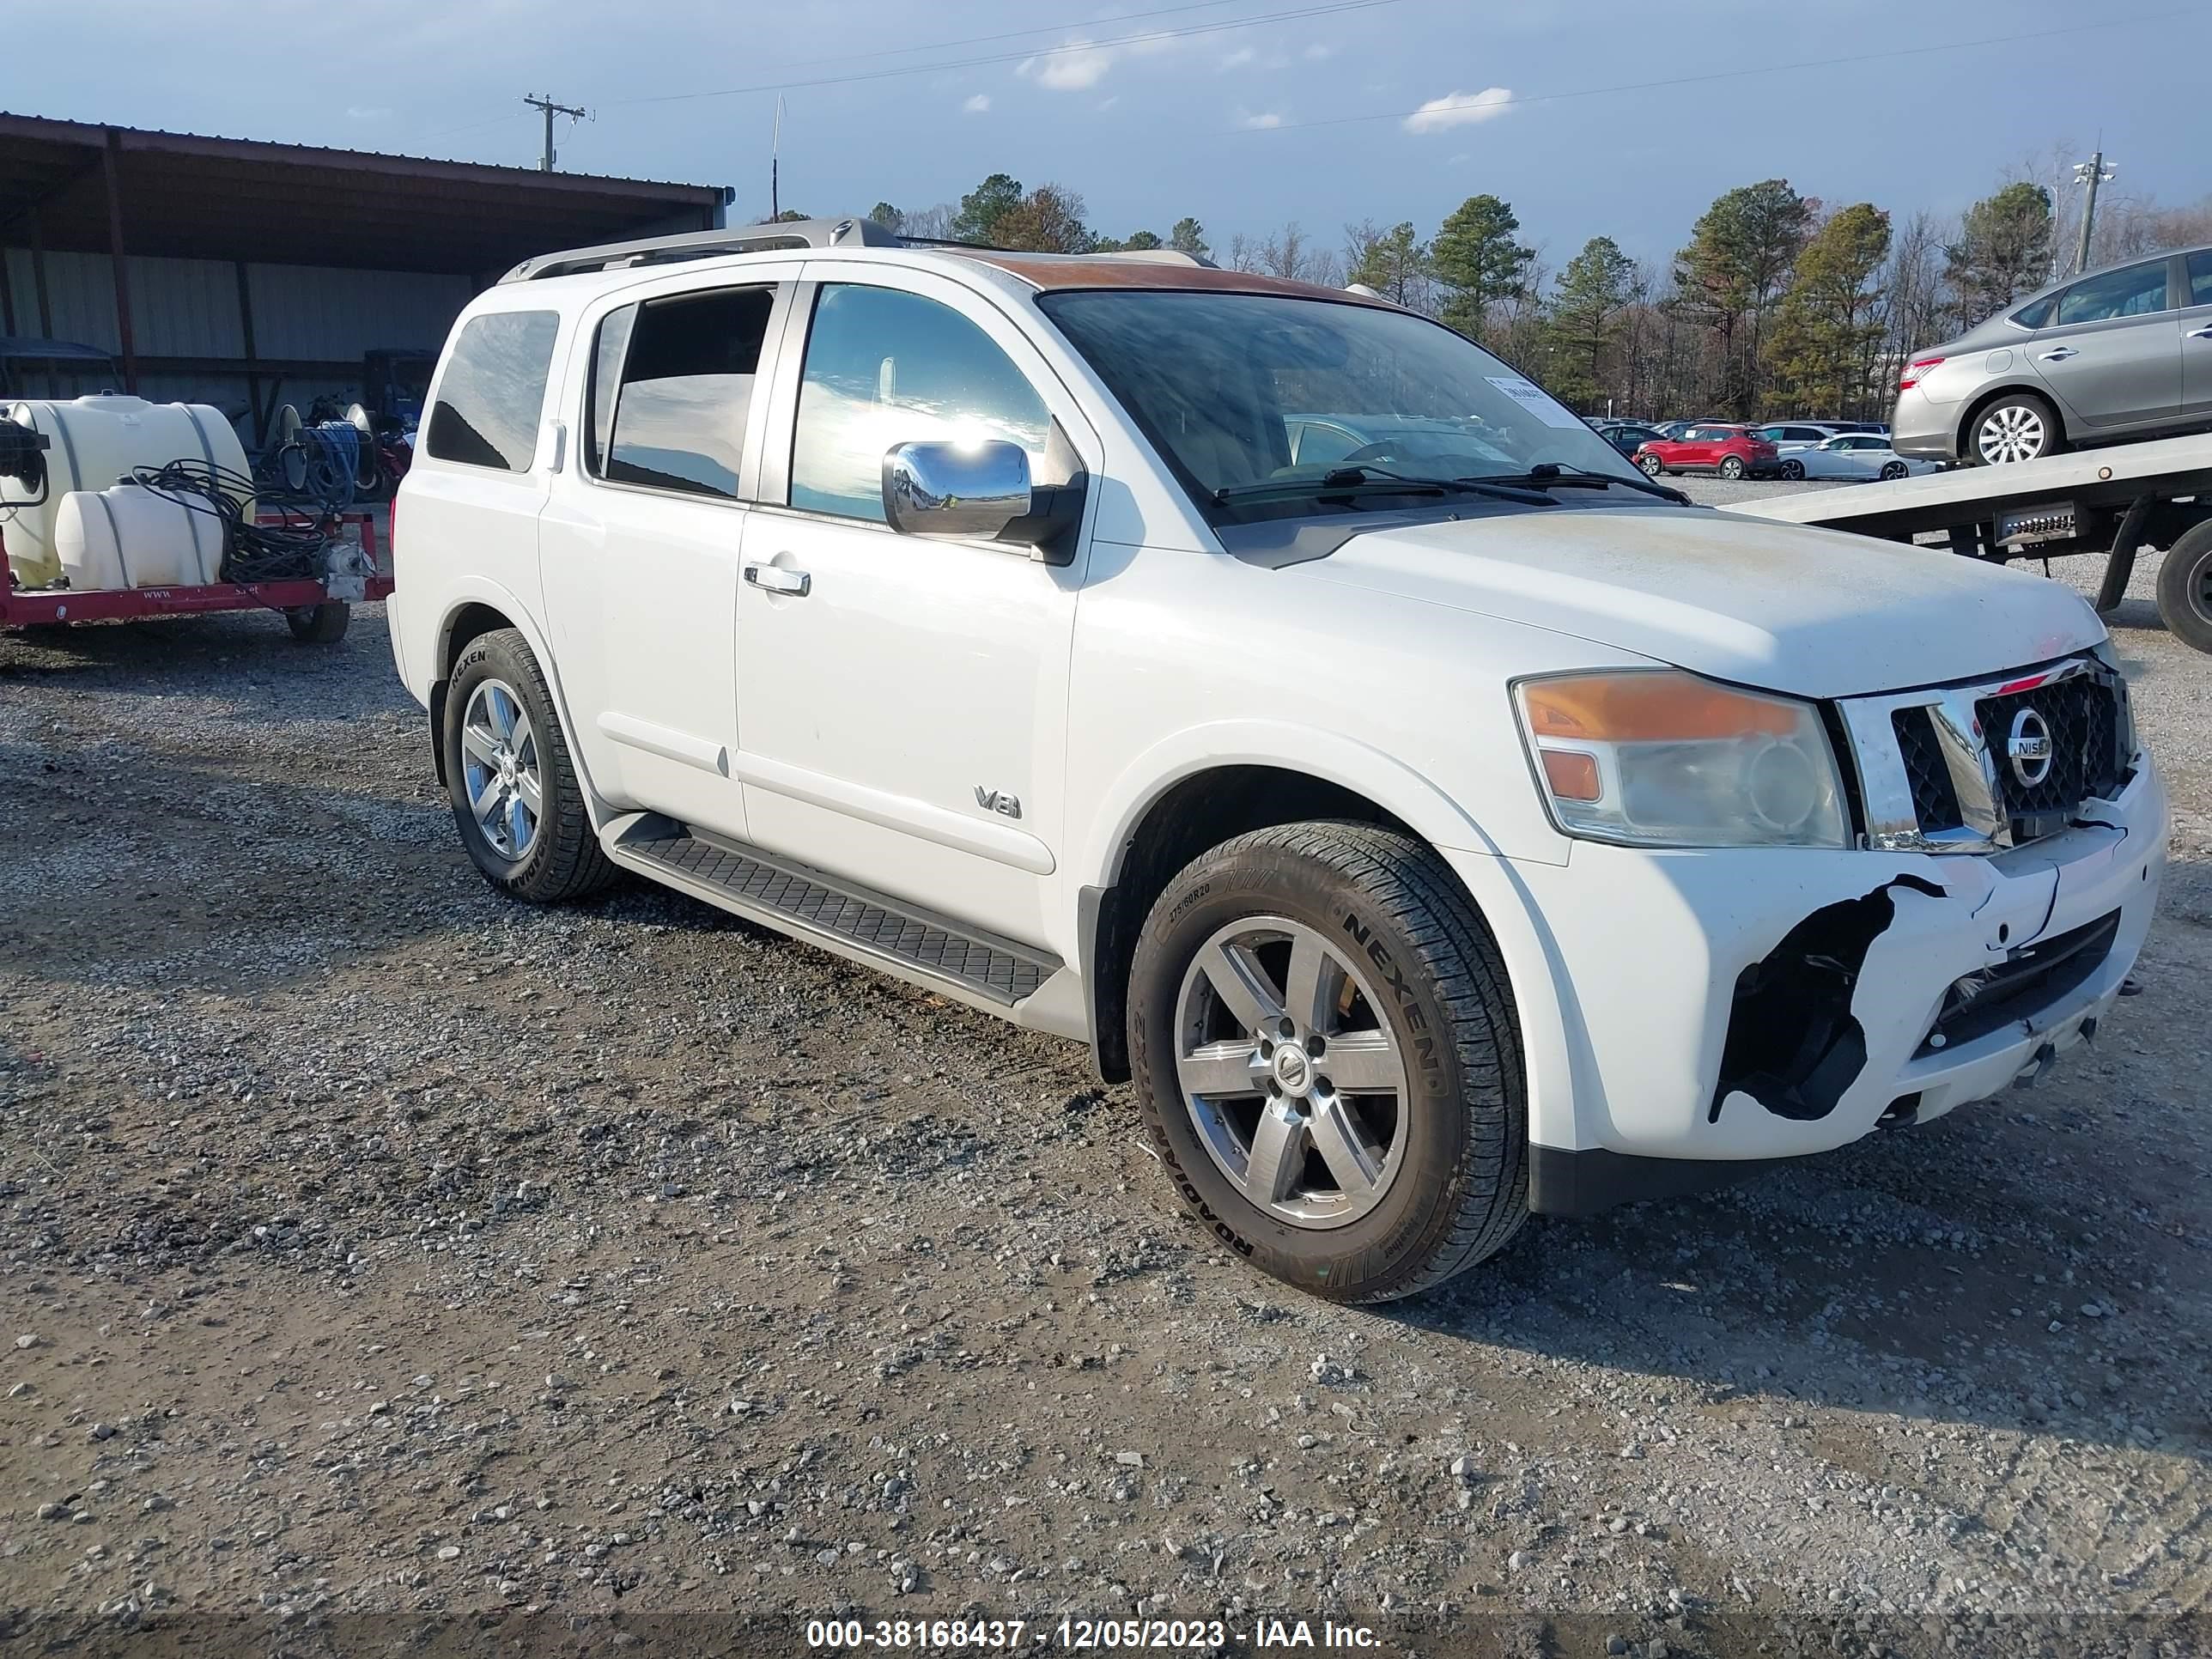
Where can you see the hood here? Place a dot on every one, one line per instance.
(1814, 612)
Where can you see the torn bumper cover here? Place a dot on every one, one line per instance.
(1728, 1008)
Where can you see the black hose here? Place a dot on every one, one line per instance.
(289, 551)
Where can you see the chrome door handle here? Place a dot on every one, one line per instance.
(774, 579)
(2061, 355)
(2203, 333)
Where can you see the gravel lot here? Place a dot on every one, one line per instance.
(372, 1246)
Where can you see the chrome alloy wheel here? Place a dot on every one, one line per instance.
(2011, 432)
(1290, 1073)
(499, 770)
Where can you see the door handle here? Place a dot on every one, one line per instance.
(2203, 333)
(774, 579)
(2061, 355)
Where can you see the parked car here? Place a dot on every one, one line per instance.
(1796, 435)
(1733, 452)
(2125, 352)
(966, 614)
(1854, 457)
(1626, 436)
(1673, 431)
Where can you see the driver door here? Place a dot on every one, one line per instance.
(905, 698)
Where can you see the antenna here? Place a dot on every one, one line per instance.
(775, 156)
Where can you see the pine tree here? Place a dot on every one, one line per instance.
(1477, 261)
(2004, 250)
(1831, 318)
(1596, 284)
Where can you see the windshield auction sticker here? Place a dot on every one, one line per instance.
(1537, 401)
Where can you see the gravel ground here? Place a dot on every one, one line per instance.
(377, 1253)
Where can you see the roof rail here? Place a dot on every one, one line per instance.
(706, 245)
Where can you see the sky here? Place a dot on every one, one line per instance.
(1591, 117)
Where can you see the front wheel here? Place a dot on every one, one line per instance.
(2185, 588)
(2018, 427)
(1793, 471)
(1328, 1061)
(517, 799)
(1652, 465)
(1893, 470)
(1731, 468)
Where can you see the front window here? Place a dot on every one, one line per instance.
(1263, 401)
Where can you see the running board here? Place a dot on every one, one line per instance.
(851, 922)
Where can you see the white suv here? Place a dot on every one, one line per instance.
(1456, 827)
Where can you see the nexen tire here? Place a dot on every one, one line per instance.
(1461, 1191)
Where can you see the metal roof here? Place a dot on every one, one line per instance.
(188, 195)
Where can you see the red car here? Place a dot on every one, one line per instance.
(1731, 451)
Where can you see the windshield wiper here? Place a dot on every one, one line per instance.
(1550, 474)
(1361, 479)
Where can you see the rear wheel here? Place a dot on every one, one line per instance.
(1731, 467)
(1652, 465)
(1893, 470)
(1329, 1062)
(2018, 427)
(319, 624)
(517, 799)
(2185, 588)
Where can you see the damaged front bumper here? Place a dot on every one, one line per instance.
(1726, 1008)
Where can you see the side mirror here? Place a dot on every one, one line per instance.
(974, 489)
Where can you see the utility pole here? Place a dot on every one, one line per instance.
(2090, 174)
(551, 109)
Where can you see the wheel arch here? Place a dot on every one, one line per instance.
(2041, 394)
(471, 612)
(1223, 785)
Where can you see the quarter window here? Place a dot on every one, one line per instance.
(2134, 291)
(493, 391)
(885, 367)
(671, 387)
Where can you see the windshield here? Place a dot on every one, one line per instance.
(1290, 395)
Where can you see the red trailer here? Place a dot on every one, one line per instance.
(316, 609)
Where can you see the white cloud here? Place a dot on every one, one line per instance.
(1073, 67)
(1260, 122)
(1240, 58)
(977, 104)
(1460, 109)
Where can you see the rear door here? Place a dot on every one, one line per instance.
(642, 535)
(2113, 352)
(2197, 335)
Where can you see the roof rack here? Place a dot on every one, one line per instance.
(787, 233)
(706, 245)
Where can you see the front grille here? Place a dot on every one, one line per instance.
(2081, 715)
(1934, 798)
(2033, 978)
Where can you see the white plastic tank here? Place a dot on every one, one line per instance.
(128, 537)
(93, 443)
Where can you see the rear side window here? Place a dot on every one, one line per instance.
(672, 387)
(886, 367)
(493, 391)
(2132, 291)
(2200, 277)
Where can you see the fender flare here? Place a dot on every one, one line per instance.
(1331, 756)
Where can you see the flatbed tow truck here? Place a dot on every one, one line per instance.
(2119, 502)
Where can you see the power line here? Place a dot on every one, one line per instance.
(1517, 101)
(545, 103)
(1114, 42)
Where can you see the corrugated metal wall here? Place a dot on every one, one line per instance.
(189, 308)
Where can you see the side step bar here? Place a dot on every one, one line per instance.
(850, 920)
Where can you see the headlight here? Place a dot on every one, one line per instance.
(1656, 757)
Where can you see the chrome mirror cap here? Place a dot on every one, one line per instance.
(974, 490)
